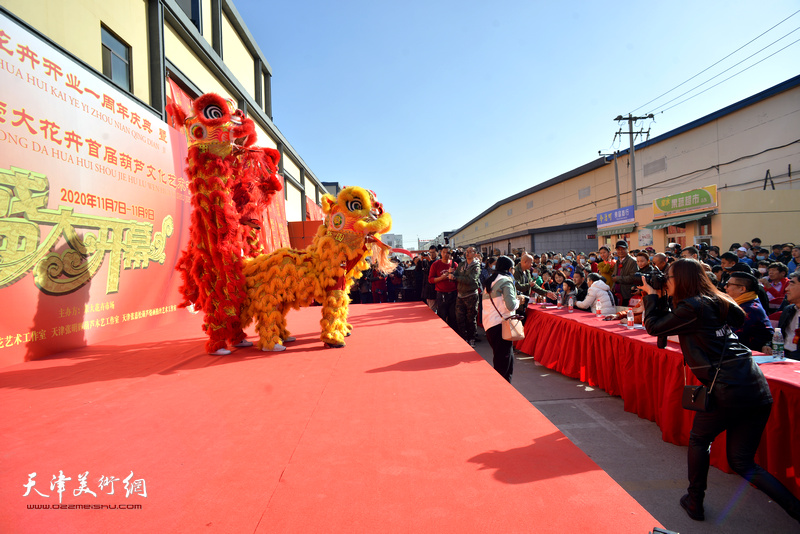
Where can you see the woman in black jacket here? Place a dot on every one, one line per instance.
(740, 399)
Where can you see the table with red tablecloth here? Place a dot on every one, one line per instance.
(629, 364)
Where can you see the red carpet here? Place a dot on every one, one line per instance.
(404, 430)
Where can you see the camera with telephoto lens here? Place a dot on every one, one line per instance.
(656, 279)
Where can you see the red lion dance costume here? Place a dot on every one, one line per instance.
(231, 184)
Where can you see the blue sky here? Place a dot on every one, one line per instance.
(445, 107)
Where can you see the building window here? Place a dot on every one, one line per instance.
(585, 192)
(116, 60)
(192, 10)
(508, 213)
(530, 204)
(704, 225)
(676, 234)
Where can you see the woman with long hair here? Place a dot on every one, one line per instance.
(700, 315)
(499, 300)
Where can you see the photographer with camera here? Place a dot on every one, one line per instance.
(500, 300)
(739, 399)
(655, 278)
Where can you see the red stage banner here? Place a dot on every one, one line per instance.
(178, 96)
(275, 233)
(94, 204)
(313, 210)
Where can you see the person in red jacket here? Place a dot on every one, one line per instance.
(775, 284)
(441, 275)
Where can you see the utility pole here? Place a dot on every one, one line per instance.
(616, 173)
(631, 119)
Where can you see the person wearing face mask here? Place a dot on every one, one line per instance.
(786, 253)
(557, 258)
(536, 276)
(568, 264)
(760, 254)
(591, 262)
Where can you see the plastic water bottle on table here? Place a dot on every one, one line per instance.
(777, 345)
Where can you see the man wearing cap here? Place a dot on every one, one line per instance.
(625, 274)
(742, 253)
(756, 332)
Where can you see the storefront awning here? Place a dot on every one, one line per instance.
(617, 230)
(672, 221)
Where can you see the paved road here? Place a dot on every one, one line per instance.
(631, 451)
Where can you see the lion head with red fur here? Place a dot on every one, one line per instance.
(214, 120)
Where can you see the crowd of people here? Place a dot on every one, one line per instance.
(451, 281)
(722, 306)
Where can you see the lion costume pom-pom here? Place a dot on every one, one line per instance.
(323, 272)
(231, 183)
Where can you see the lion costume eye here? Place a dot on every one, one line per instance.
(198, 131)
(354, 205)
(213, 111)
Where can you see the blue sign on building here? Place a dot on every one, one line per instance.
(624, 215)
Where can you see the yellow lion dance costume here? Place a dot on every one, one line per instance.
(323, 272)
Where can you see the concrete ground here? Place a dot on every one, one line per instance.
(631, 451)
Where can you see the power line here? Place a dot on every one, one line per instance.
(717, 63)
(726, 79)
(729, 68)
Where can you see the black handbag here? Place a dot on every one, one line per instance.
(698, 398)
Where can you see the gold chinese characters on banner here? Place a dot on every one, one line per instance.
(29, 230)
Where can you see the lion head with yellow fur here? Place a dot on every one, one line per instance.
(355, 218)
